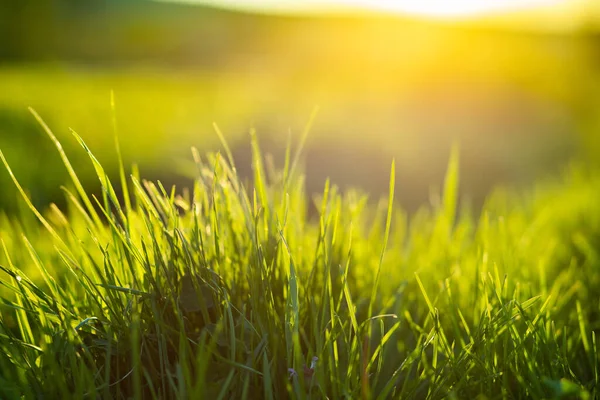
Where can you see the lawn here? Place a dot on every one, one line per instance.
(232, 289)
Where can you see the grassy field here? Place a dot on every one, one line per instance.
(508, 134)
(231, 290)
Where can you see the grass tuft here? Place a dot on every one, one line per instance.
(229, 292)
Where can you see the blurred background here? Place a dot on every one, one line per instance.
(518, 87)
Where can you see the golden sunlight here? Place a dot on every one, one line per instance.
(429, 8)
(450, 8)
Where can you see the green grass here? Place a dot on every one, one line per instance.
(162, 112)
(230, 289)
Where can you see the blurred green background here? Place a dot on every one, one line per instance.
(520, 92)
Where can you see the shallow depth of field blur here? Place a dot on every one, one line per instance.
(519, 92)
(235, 287)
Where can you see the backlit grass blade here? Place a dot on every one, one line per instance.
(30, 205)
(124, 182)
(302, 142)
(80, 190)
(225, 145)
(102, 177)
(451, 183)
(388, 223)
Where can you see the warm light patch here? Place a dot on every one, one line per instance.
(449, 8)
(431, 8)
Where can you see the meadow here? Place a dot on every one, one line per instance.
(231, 289)
(508, 135)
(432, 232)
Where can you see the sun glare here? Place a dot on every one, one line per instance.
(428, 8)
(449, 8)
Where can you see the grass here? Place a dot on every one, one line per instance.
(234, 289)
(395, 109)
